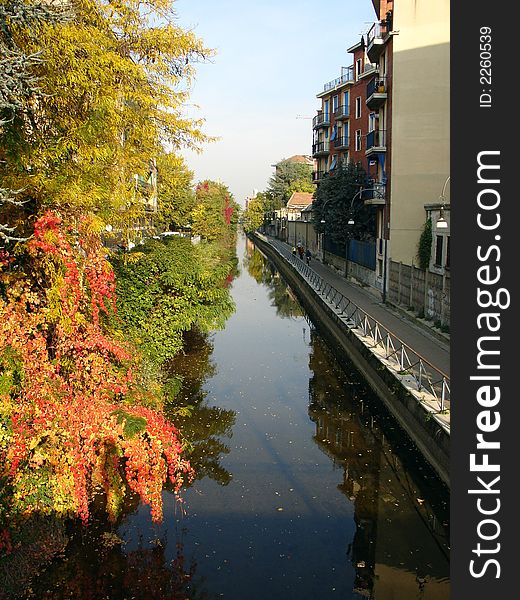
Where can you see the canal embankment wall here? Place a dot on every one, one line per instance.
(416, 418)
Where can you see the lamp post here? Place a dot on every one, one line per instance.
(441, 221)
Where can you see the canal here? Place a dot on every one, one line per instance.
(306, 488)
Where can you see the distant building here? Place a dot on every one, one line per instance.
(297, 203)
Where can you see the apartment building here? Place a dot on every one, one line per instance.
(410, 41)
(343, 126)
(379, 136)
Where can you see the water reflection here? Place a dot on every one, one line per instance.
(98, 567)
(401, 515)
(263, 272)
(205, 425)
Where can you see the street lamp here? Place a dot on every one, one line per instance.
(441, 222)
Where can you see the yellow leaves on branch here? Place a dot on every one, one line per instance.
(114, 81)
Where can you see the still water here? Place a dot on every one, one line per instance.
(306, 488)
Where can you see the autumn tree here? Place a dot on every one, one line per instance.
(176, 194)
(254, 214)
(73, 417)
(215, 214)
(113, 82)
(17, 83)
(289, 177)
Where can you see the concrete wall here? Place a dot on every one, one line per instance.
(420, 118)
(303, 232)
(426, 293)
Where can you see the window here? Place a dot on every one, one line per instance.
(345, 101)
(358, 139)
(358, 107)
(334, 162)
(447, 264)
(358, 68)
(439, 242)
(334, 133)
(335, 103)
(371, 122)
(326, 109)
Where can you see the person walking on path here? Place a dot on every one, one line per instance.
(308, 256)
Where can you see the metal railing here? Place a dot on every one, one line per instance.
(426, 376)
(341, 141)
(377, 85)
(321, 119)
(376, 139)
(346, 75)
(320, 148)
(341, 112)
(375, 32)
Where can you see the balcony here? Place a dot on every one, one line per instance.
(347, 76)
(320, 148)
(376, 142)
(341, 113)
(376, 92)
(376, 41)
(317, 176)
(341, 142)
(321, 120)
(375, 194)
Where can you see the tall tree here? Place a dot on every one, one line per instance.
(113, 83)
(17, 83)
(289, 177)
(176, 196)
(215, 214)
(338, 199)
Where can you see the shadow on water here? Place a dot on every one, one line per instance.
(306, 488)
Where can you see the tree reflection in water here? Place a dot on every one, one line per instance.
(280, 294)
(386, 483)
(97, 568)
(205, 425)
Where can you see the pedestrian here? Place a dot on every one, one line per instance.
(294, 251)
(308, 256)
(300, 251)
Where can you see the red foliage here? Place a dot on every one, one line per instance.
(69, 415)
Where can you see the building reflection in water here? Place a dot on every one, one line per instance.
(400, 547)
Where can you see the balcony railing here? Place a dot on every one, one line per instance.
(375, 33)
(346, 76)
(375, 40)
(375, 193)
(317, 175)
(321, 120)
(342, 112)
(376, 139)
(376, 86)
(341, 141)
(320, 148)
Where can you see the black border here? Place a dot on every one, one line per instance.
(475, 129)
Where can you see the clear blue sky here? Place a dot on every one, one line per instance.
(273, 57)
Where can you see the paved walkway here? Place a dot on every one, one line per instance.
(433, 350)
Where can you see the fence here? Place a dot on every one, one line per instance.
(425, 292)
(425, 375)
(363, 253)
